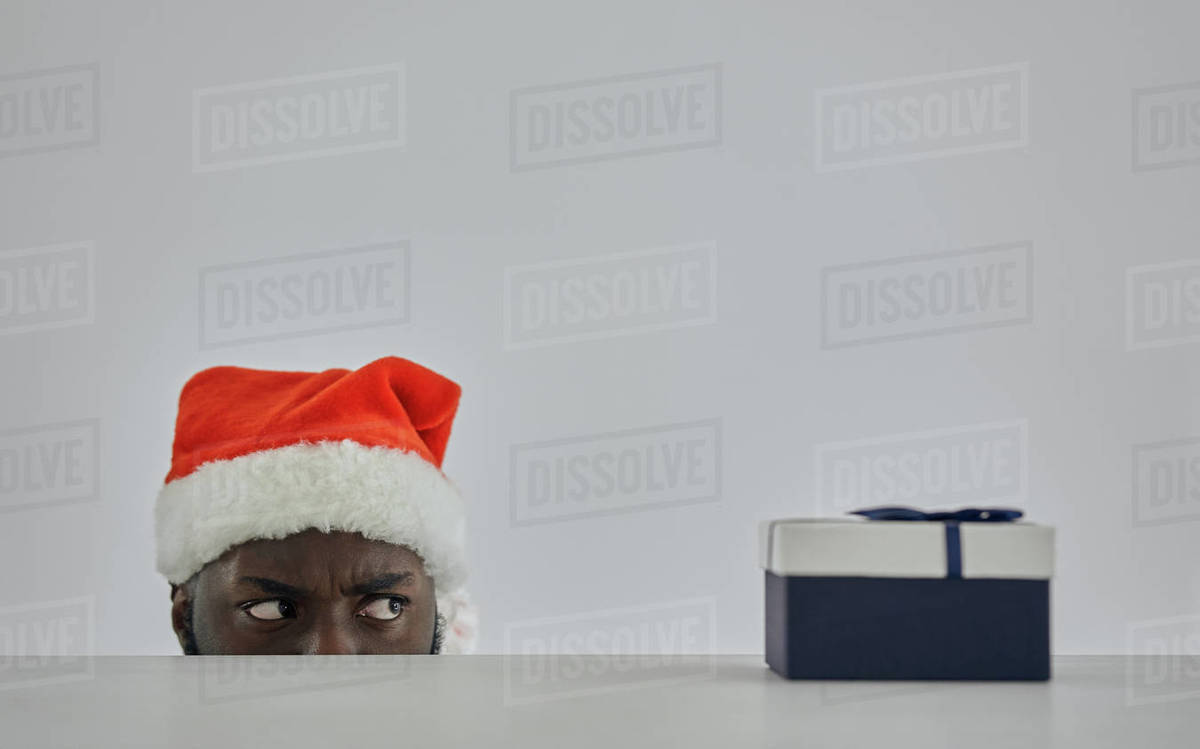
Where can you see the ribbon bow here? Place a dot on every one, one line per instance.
(965, 515)
(951, 518)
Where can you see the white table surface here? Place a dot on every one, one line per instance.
(719, 701)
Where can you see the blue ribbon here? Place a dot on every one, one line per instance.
(951, 519)
(965, 515)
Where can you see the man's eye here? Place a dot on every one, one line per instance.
(383, 608)
(276, 608)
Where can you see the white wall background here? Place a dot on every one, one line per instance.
(1086, 397)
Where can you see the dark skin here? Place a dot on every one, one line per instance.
(310, 593)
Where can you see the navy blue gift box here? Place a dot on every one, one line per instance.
(962, 595)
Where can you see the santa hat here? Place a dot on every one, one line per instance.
(261, 454)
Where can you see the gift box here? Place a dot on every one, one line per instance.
(901, 594)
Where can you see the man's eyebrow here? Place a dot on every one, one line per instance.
(382, 583)
(274, 587)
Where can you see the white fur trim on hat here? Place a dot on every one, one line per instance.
(462, 622)
(383, 493)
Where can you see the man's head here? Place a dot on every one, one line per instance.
(306, 512)
(310, 593)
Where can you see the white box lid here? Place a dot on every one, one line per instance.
(857, 547)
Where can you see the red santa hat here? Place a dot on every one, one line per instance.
(264, 454)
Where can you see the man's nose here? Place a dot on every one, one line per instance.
(330, 637)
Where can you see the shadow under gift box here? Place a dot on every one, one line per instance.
(870, 599)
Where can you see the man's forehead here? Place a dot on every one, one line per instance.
(313, 551)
